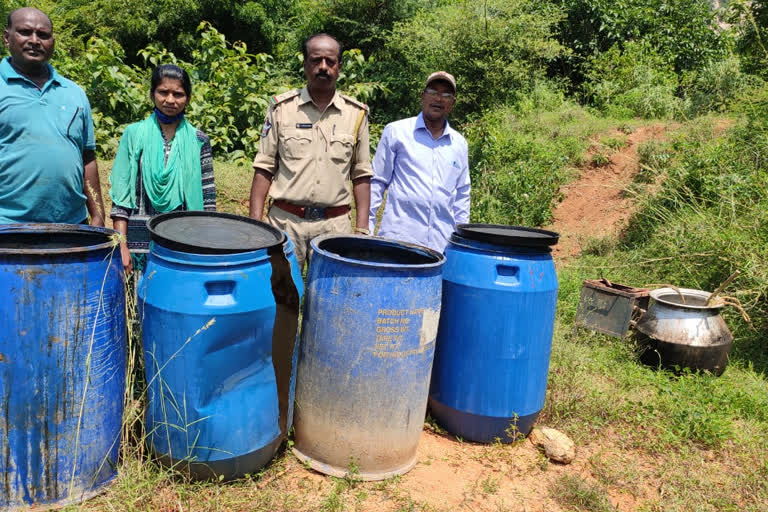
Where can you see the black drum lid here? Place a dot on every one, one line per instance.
(201, 232)
(511, 236)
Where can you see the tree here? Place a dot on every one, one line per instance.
(261, 24)
(495, 48)
(684, 32)
(363, 24)
(751, 20)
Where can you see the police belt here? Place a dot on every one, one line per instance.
(312, 212)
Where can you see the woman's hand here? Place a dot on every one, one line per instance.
(125, 254)
(121, 226)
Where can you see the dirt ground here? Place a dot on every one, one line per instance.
(597, 204)
(451, 475)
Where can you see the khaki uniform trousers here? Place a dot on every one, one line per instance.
(302, 231)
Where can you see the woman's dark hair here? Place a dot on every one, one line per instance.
(173, 72)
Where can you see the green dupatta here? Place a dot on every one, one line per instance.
(168, 185)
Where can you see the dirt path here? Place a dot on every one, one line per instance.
(595, 204)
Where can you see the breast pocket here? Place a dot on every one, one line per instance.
(449, 174)
(71, 124)
(341, 148)
(296, 144)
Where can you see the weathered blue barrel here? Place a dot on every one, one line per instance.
(62, 363)
(495, 334)
(219, 302)
(368, 340)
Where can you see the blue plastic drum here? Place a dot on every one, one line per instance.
(219, 302)
(368, 341)
(62, 363)
(495, 336)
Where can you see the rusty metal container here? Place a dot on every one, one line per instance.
(610, 308)
(680, 331)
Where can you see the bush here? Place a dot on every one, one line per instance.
(496, 49)
(363, 24)
(633, 80)
(653, 157)
(717, 85)
(751, 21)
(264, 25)
(684, 32)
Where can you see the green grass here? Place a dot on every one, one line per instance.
(653, 158)
(233, 187)
(490, 485)
(615, 142)
(600, 158)
(577, 494)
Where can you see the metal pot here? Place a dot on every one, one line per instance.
(680, 331)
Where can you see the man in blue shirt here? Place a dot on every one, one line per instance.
(423, 164)
(48, 170)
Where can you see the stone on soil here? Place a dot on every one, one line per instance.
(555, 445)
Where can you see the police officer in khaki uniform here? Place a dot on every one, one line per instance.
(313, 141)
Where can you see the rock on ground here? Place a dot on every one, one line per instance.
(555, 445)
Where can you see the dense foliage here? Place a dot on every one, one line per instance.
(683, 32)
(495, 48)
(263, 25)
(750, 19)
(626, 59)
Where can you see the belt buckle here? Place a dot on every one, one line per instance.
(314, 212)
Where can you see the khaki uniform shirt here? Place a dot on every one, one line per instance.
(312, 154)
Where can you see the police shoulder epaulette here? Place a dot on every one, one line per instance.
(356, 103)
(274, 100)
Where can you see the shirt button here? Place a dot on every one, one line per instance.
(318, 182)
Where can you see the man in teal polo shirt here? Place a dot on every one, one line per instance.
(48, 169)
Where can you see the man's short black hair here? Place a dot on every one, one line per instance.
(305, 45)
(9, 20)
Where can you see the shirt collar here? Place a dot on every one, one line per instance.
(7, 72)
(337, 101)
(447, 131)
